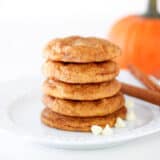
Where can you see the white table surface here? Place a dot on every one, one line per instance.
(22, 35)
(145, 148)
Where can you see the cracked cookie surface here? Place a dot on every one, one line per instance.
(81, 49)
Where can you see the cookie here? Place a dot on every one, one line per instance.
(81, 73)
(94, 91)
(81, 50)
(55, 120)
(99, 107)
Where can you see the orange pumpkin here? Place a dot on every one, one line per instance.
(139, 38)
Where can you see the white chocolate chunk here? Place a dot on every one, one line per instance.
(129, 104)
(107, 131)
(120, 123)
(96, 130)
(130, 116)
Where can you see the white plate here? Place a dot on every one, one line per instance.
(20, 114)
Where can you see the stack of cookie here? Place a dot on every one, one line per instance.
(81, 89)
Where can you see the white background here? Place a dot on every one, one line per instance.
(25, 27)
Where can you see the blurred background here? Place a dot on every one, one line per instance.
(26, 25)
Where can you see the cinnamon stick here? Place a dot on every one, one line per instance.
(144, 94)
(143, 78)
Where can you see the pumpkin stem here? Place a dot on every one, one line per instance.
(152, 9)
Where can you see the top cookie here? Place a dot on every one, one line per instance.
(81, 50)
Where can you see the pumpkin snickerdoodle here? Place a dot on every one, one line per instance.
(80, 91)
(99, 107)
(81, 73)
(55, 120)
(80, 49)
